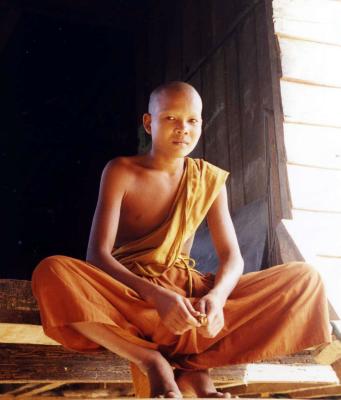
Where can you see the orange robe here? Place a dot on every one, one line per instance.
(277, 311)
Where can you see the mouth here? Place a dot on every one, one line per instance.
(180, 142)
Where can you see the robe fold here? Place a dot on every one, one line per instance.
(276, 311)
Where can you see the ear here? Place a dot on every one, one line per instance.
(147, 120)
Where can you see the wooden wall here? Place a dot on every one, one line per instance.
(226, 49)
(309, 37)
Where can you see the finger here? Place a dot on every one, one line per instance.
(190, 307)
(187, 317)
(201, 307)
(186, 322)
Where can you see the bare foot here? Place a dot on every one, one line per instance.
(198, 384)
(161, 377)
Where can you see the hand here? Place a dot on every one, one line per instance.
(176, 312)
(213, 308)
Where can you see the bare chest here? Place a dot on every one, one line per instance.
(146, 205)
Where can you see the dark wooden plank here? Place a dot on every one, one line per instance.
(173, 42)
(205, 26)
(198, 151)
(192, 32)
(20, 317)
(35, 363)
(251, 118)
(275, 74)
(273, 166)
(236, 186)
(16, 294)
(216, 139)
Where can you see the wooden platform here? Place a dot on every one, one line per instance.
(34, 366)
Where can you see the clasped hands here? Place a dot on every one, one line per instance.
(179, 315)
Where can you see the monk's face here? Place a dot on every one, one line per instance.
(174, 122)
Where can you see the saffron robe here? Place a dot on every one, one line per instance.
(277, 311)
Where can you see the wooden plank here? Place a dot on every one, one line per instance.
(224, 14)
(198, 151)
(34, 363)
(206, 21)
(330, 354)
(266, 389)
(38, 363)
(236, 187)
(216, 140)
(191, 35)
(19, 389)
(275, 68)
(272, 166)
(156, 58)
(253, 143)
(299, 56)
(337, 368)
(40, 389)
(322, 145)
(24, 333)
(20, 317)
(315, 105)
(315, 189)
(173, 67)
(16, 294)
(317, 21)
(318, 393)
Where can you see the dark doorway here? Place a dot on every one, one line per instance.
(68, 107)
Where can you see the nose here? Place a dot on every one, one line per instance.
(181, 128)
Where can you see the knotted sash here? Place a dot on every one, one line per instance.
(153, 254)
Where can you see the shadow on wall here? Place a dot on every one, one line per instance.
(250, 223)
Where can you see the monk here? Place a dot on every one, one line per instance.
(138, 293)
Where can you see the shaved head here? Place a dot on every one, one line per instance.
(169, 88)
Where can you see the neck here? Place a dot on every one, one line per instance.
(172, 165)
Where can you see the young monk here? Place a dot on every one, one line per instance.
(138, 293)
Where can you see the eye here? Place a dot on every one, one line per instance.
(193, 121)
(170, 117)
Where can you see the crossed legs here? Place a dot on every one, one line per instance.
(163, 382)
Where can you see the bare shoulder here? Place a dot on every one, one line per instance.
(120, 169)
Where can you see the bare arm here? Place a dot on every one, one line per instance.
(114, 182)
(230, 266)
(231, 263)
